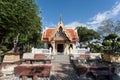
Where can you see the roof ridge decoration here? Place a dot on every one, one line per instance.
(60, 24)
(60, 19)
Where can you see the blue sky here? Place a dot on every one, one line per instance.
(74, 13)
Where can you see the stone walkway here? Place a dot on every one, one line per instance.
(62, 69)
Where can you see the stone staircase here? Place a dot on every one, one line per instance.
(61, 59)
(62, 69)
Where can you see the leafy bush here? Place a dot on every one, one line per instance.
(1, 53)
(71, 55)
(4, 48)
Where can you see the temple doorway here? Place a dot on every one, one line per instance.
(60, 48)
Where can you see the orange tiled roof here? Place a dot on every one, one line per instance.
(48, 33)
(71, 32)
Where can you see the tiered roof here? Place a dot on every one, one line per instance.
(49, 33)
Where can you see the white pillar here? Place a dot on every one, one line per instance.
(67, 48)
(45, 45)
(74, 47)
(53, 44)
(50, 49)
(33, 50)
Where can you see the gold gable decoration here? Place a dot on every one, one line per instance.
(60, 35)
(59, 26)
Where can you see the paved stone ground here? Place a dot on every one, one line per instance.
(62, 69)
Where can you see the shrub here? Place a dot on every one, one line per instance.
(1, 53)
(71, 55)
(4, 48)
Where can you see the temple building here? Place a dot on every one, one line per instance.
(61, 40)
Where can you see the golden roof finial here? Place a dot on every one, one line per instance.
(60, 19)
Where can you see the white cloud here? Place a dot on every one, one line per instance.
(97, 19)
(74, 24)
(116, 10)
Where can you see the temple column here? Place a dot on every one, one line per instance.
(74, 46)
(45, 45)
(67, 48)
(53, 45)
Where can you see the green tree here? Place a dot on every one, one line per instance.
(95, 48)
(112, 41)
(19, 21)
(86, 35)
(106, 44)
